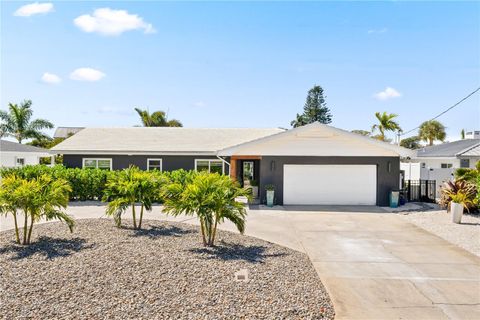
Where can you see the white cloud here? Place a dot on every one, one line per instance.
(199, 104)
(51, 78)
(386, 94)
(33, 8)
(86, 74)
(372, 31)
(111, 22)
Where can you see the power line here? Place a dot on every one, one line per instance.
(445, 111)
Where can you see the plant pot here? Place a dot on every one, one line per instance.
(254, 192)
(457, 211)
(270, 197)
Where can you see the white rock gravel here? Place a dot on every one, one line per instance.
(465, 235)
(164, 272)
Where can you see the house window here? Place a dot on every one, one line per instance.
(104, 164)
(464, 163)
(208, 165)
(446, 165)
(154, 164)
(20, 162)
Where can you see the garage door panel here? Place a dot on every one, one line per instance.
(330, 184)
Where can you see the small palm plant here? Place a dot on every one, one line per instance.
(41, 197)
(128, 187)
(212, 198)
(8, 201)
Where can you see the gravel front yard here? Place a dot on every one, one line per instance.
(465, 235)
(163, 272)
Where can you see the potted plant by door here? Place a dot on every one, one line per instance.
(254, 186)
(459, 201)
(270, 188)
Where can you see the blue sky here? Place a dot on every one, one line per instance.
(222, 64)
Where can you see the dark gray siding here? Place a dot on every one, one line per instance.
(169, 163)
(271, 172)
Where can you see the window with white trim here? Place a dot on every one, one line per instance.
(20, 162)
(446, 165)
(154, 164)
(97, 163)
(210, 165)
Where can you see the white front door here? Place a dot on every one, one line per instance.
(307, 184)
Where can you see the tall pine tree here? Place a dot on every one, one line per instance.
(314, 110)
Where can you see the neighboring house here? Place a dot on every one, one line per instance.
(309, 165)
(439, 162)
(472, 134)
(65, 132)
(13, 154)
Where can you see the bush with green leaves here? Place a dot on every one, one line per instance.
(128, 187)
(467, 174)
(211, 197)
(36, 198)
(86, 184)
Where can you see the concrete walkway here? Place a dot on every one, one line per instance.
(374, 265)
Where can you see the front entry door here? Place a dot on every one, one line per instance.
(247, 172)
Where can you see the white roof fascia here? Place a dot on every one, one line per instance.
(136, 153)
(467, 149)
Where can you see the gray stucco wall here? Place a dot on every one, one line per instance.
(271, 172)
(169, 163)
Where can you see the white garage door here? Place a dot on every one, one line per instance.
(329, 184)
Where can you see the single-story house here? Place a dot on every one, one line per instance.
(13, 154)
(438, 162)
(309, 165)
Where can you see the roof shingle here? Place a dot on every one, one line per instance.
(449, 149)
(158, 140)
(9, 146)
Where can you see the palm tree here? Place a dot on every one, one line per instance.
(41, 197)
(156, 119)
(17, 122)
(212, 198)
(126, 188)
(386, 123)
(432, 130)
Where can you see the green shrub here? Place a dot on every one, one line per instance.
(86, 184)
(466, 174)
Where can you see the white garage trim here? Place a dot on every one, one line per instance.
(307, 184)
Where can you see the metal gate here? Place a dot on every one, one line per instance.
(420, 190)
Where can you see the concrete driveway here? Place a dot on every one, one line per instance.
(374, 265)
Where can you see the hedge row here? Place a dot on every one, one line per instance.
(87, 184)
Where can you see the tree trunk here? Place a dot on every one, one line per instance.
(134, 216)
(30, 231)
(25, 226)
(430, 141)
(214, 232)
(17, 236)
(141, 217)
(202, 227)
